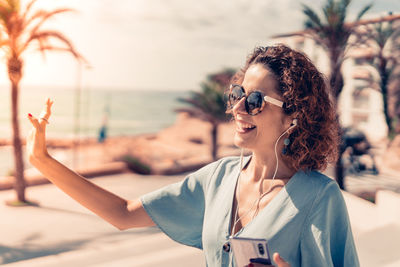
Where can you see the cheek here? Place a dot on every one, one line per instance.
(269, 128)
(264, 134)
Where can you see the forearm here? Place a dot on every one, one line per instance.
(105, 204)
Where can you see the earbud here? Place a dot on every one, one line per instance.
(293, 124)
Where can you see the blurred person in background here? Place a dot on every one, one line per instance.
(284, 117)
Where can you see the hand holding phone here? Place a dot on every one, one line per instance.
(246, 250)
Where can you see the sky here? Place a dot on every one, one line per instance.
(162, 44)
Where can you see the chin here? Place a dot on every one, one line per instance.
(240, 143)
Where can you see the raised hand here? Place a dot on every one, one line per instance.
(36, 140)
(121, 213)
(279, 261)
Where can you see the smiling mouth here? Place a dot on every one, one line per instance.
(244, 128)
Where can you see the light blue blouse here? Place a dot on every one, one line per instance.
(306, 222)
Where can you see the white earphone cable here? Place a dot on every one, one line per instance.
(257, 201)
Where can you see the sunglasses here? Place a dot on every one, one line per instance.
(254, 102)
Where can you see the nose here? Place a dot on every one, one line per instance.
(239, 107)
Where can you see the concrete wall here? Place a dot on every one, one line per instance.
(376, 228)
(388, 207)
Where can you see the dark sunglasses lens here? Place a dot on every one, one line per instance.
(235, 95)
(254, 103)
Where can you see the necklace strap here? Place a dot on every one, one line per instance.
(256, 202)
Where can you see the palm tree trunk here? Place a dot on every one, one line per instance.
(14, 65)
(384, 90)
(336, 79)
(19, 184)
(385, 97)
(214, 137)
(339, 170)
(336, 83)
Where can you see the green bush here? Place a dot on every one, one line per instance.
(135, 165)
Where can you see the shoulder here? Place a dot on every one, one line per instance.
(229, 163)
(215, 171)
(225, 166)
(317, 182)
(313, 189)
(326, 192)
(222, 172)
(220, 166)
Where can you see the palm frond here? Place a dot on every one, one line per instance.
(342, 10)
(42, 43)
(363, 11)
(396, 34)
(24, 14)
(3, 43)
(313, 20)
(344, 3)
(43, 48)
(209, 103)
(44, 36)
(13, 5)
(328, 10)
(5, 13)
(383, 35)
(329, 4)
(192, 101)
(319, 38)
(196, 113)
(43, 16)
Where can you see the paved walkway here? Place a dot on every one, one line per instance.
(372, 182)
(60, 232)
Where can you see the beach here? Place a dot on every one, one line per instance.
(74, 125)
(183, 146)
(172, 150)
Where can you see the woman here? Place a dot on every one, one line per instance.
(284, 117)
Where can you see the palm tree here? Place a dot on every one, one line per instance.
(21, 31)
(209, 104)
(332, 34)
(384, 38)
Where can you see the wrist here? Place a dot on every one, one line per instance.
(39, 159)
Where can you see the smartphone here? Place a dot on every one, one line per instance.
(246, 250)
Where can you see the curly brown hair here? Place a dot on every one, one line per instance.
(314, 142)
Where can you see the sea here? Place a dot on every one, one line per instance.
(83, 112)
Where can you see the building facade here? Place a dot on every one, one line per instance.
(359, 104)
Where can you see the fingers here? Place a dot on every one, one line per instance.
(279, 261)
(43, 117)
(34, 121)
(46, 112)
(257, 265)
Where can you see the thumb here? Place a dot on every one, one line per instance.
(279, 261)
(34, 121)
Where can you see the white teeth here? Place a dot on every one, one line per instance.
(246, 126)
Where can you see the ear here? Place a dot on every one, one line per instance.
(289, 123)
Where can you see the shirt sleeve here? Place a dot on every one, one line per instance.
(178, 209)
(327, 239)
